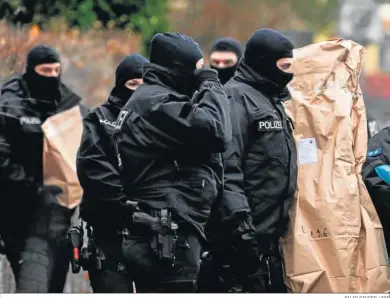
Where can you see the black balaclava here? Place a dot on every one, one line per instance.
(177, 54)
(41, 87)
(131, 67)
(264, 49)
(227, 44)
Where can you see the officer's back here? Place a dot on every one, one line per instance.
(168, 140)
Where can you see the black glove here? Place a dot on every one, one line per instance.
(51, 189)
(51, 220)
(48, 195)
(245, 247)
(215, 275)
(205, 74)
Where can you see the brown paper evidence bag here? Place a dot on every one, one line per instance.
(62, 138)
(335, 240)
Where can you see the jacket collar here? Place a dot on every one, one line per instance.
(245, 74)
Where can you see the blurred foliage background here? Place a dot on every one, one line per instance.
(93, 35)
(141, 16)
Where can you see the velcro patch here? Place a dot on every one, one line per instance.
(269, 125)
(121, 118)
(375, 152)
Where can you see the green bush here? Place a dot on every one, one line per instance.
(149, 20)
(145, 17)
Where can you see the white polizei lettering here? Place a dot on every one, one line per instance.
(30, 120)
(270, 125)
(105, 121)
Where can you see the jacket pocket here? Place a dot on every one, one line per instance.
(204, 188)
(197, 193)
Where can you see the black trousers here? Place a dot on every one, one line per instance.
(14, 245)
(269, 278)
(219, 275)
(44, 267)
(37, 249)
(152, 275)
(112, 277)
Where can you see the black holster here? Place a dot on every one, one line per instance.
(164, 232)
(87, 256)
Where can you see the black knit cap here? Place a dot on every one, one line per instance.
(263, 49)
(227, 44)
(175, 51)
(41, 54)
(131, 67)
(267, 43)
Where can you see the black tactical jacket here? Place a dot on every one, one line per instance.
(378, 158)
(97, 167)
(169, 145)
(260, 163)
(21, 142)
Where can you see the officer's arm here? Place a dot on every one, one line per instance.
(98, 175)
(202, 122)
(235, 211)
(12, 173)
(234, 200)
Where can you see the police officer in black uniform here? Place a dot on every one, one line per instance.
(376, 176)
(98, 172)
(33, 225)
(230, 219)
(168, 137)
(260, 163)
(225, 54)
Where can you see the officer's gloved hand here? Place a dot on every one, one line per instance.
(245, 246)
(205, 74)
(51, 219)
(49, 193)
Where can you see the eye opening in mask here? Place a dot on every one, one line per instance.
(221, 59)
(133, 84)
(285, 65)
(48, 69)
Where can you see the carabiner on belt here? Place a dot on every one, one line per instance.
(266, 260)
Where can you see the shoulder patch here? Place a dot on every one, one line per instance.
(269, 125)
(121, 119)
(374, 152)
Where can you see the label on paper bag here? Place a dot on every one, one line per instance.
(307, 151)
